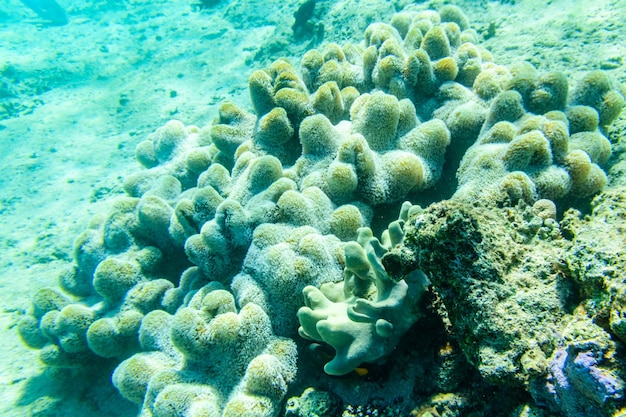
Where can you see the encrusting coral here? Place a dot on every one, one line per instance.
(191, 283)
(512, 302)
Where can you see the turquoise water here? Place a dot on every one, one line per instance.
(78, 96)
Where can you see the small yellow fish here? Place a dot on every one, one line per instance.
(361, 371)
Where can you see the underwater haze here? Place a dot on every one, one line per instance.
(309, 208)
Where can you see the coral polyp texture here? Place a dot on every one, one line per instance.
(240, 243)
(204, 334)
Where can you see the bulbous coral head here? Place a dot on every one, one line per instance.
(597, 90)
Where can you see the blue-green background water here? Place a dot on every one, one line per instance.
(76, 99)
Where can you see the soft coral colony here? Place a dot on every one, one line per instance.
(192, 281)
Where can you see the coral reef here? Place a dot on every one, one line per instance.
(208, 360)
(581, 381)
(563, 345)
(192, 282)
(484, 286)
(513, 306)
